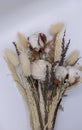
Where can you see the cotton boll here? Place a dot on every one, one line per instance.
(71, 78)
(61, 73)
(25, 64)
(74, 74)
(37, 40)
(39, 69)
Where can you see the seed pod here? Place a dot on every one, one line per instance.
(72, 57)
(58, 49)
(54, 29)
(22, 39)
(60, 73)
(12, 57)
(25, 64)
(39, 69)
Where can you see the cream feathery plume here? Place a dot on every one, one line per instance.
(72, 57)
(54, 29)
(25, 64)
(22, 39)
(12, 57)
(58, 48)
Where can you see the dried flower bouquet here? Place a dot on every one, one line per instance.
(43, 74)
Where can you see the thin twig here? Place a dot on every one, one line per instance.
(16, 48)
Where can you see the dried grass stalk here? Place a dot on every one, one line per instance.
(58, 49)
(25, 64)
(54, 29)
(22, 39)
(72, 57)
(41, 104)
(33, 107)
(12, 57)
(53, 107)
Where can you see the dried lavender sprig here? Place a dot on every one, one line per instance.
(51, 84)
(63, 41)
(63, 55)
(63, 47)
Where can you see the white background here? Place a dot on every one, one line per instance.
(29, 16)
